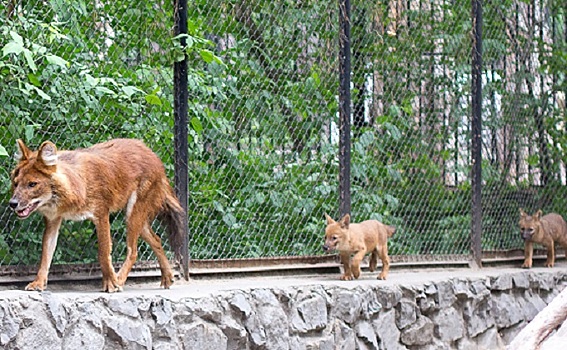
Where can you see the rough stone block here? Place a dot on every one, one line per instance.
(418, 334)
(490, 340)
(366, 333)
(501, 282)
(347, 306)
(521, 280)
(387, 331)
(406, 313)
(388, 296)
(445, 294)
(449, 324)
(506, 310)
(477, 315)
(202, 336)
(310, 315)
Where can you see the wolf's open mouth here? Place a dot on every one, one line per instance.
(24, 213)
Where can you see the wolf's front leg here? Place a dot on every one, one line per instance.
(47, 248)
(356, 259)
(528, 251)
(345, 260)
(550, 254)
(109, 280)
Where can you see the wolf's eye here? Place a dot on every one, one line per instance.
(32, 184)
(334, 238)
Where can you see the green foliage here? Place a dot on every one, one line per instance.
(263, 152)
(79, 84)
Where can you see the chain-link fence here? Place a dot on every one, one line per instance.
(264, 130)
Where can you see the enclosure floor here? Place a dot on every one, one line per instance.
(206, 286)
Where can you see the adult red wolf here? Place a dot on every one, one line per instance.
(89, 184)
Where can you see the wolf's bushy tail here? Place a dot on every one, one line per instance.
(172, 215)
(391, 230)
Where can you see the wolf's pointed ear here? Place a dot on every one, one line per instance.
(22, 151)
(47, 153)
(345, 221)
(329, 219)
(523, 213)
(538, 215)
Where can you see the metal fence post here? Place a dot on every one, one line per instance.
(476, 136)
(344, 107)
(180, 129)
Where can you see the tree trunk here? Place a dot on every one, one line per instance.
(549, 319)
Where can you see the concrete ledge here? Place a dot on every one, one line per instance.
(451, 308)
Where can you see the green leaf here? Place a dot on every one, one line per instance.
(40, 92)
(153, 100)
(229, 219)
(394, 131)
(130, 90)
(17, 38)
(196, 124)
(105, 90)
(3, 152)
(29, 58)
(34, 80)
(29, 131)
(56, 60)
(207, 55)
(12, 47)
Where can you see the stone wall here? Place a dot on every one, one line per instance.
(457, 313)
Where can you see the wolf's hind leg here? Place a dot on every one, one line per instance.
(154, 241)
(109, 282)
(373, 261)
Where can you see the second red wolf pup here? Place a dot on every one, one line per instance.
(546, 230)
(89, 184)
(357, 240)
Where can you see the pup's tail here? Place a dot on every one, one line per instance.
(172, 216)
(391, 230)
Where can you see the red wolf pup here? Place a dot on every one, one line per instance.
(89, 184)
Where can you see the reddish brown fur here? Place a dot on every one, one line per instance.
(546, 230)
(357, 240)
(90, 184)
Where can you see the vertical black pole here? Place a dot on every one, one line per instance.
(180, 130)
(344, 107)
(476, 134)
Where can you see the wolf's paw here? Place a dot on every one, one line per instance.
(549, 264)
(382, 276)
(346, 278)
(38, 284)
(166, 280)
(527, 265)
(111, 285)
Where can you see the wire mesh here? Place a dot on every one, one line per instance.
(263, 116)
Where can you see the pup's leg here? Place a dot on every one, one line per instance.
(385, 263)
(373, 260)
(528, 252)
(154, 241)
(109, 281)
(345, 260)
(550, 253)
(47, 248)
(563, 243)
(356, 259)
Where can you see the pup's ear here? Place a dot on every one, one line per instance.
(537, 215)
(345, 221)
(22, 151)
(523, 213)
(47, 153)
(329, 219)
